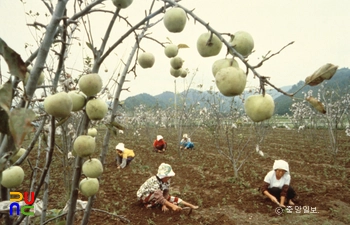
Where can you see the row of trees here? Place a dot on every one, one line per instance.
(224, 118)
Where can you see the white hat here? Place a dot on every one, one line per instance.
(281, 164)
(120, 146)
(165, 170)
(159, 137)
(185, 136)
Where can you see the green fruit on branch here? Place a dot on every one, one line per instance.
(92, 168)
(96, 109)
(171, 50)
(175, 20)
(176, 62)
(175, 73)
(89, 186)
(58, 105)
(122, 3)
(92, 132)
(12, 177)
(74, 153)
(78, 100)
(40, 80)
(207, 47)
(84, 145)
(183, 73)
(242, 42)
(18, 155)
(146, 60)
(259, 107)
(90, 84)
(223, 63)
(231, 81)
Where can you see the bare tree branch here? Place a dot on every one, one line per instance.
(267, 56)
(44, 48)
(108, 32)
(49, 7)
(85, 11)
(126, 34)
(46, 167)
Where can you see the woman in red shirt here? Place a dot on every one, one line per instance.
(159, 145)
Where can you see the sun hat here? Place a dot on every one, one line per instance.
(159, 137)
(120, 147)
(281, 164)
(165, 170)
(185, 136)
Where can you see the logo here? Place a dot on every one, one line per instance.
(27, 210)
(279, 210)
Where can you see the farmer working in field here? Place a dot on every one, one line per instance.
(155, 191)
(159, 145)
(186, 143)
(124, 156)
(277, 184)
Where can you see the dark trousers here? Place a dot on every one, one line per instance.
(128, 160)
(160, 147)
(275, 191)
(119, 159)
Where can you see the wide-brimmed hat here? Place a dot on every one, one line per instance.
(159, 137)
(185, 136)
(281, 164)
(165, 170)
(120, 147)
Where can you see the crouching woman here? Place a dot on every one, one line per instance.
(155, 191)
(276, 184)
(124, 156)
(186, 143)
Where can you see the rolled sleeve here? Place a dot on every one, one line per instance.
(284, 190)
(264, 187)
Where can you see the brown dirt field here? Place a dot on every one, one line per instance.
(206, 178)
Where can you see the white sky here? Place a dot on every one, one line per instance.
(320, 29)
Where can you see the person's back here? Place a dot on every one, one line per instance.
(127, 153)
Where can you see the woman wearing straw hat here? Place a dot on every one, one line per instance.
(124, 155)
(276, 184)
(155, 191)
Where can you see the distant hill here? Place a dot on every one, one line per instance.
(193, 96)
(339, 82)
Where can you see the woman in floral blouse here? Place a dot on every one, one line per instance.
(155, 191)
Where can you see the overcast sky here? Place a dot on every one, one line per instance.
(319, 28)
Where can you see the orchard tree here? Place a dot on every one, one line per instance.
(21, 105)
(326, 109)
(233, 133)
